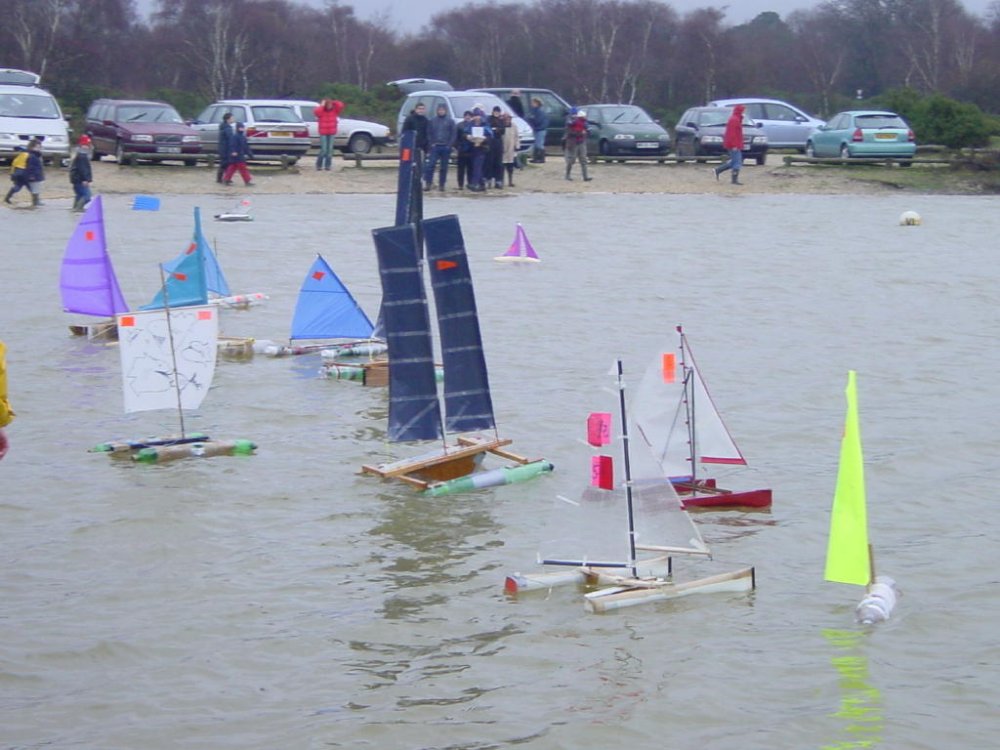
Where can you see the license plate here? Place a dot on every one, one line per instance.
(168, 149)
(280, 134)
(647, 145)
(885, 136)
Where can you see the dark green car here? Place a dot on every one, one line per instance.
(624, 130)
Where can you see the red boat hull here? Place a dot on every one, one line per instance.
(704, 494)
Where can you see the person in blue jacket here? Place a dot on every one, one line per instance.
(478, 135)
(538, 119)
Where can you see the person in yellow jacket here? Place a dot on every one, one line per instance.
(18, 169)
(6, 415)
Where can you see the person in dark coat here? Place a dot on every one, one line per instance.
(463, 151)
(417, 122)
(538, 119)
(80, 173)
(34, 172)
(239, 154)
(493, 169)
(225, 136)
(441, 132)
(515, 103)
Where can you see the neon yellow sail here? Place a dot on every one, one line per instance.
(847, 553)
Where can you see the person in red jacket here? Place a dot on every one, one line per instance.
(326, 117)
(732, 141)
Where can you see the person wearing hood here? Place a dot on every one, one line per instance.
(441, 132)
(576, 142)
(327, 114)
(80, 173)
(732, 141)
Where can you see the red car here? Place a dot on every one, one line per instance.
(138, 130)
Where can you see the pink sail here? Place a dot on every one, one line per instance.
(520, 249)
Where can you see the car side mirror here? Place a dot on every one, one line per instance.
(108, 122)
(758, 124)
(691, 125)
(799, 118)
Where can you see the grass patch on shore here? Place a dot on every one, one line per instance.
(942, 179)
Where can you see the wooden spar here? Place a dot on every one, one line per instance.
(871, 565)
(629, 593)
(448, 463)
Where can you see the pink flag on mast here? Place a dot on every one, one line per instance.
(520, 249)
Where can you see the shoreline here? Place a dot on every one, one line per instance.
(379, 177)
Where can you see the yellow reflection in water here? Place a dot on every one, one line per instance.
(860, 704)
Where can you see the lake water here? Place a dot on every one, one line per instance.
(282, 600)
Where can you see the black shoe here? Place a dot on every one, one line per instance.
(587, 179)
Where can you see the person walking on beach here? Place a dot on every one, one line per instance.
(34, 171)
(225, 136)
(732, 141)
(327, 114)
(441, 132)
(18, 167)
(538, 119)
(80, 173)
(6, 413)
(239, 153)
(575, 146)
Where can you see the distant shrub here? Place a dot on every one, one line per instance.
(940, 120)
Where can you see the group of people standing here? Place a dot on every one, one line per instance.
(485, 146)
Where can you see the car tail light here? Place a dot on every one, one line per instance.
(301, 133)
(858, 135)
(251, 132)
(910, 136)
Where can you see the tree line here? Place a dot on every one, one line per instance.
(192, 52)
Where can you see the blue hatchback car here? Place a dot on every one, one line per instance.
(861, 133)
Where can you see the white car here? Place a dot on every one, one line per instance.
(353, 136)
(26, 112)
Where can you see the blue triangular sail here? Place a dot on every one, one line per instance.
(326, 309)
(467, 402)
(215, 281)
(414, 412)
(185, 281)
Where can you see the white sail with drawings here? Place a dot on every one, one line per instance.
(167, 361)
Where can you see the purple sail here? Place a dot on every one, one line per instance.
(87, 279)
(520, 249)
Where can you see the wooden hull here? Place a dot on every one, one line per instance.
(107, 330)
(704, 495)
(235, 347)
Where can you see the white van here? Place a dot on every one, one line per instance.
(27, 112)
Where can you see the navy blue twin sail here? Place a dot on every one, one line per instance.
(414, 411)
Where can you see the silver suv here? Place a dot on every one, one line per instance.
(785, 125)
(457, 102)
(274, 129)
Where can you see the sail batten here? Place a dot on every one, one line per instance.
(414, 411)
(87, 281)
(467, 398)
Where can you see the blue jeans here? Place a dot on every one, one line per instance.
(540, 140)
(82, 193)
(734, 163)
(325, 158)
(437, 153)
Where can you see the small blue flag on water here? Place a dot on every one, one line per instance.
(145, 203)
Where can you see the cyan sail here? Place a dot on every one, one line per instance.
(185, 277)
(414, 412)
(215, 281)
(326, 309)
(87, 280)
(468, 405)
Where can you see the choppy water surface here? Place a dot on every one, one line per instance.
(284, 601)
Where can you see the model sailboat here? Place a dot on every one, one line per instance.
(849, 556)
(240, 213)
(215, 280)
(633, 565)
(414, 409)
(87, 280)
(520, 249)
(168, 360)
(326, 310)
(677, 414)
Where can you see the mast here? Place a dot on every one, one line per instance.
(173, 350)
(689, 409)
(628, 472)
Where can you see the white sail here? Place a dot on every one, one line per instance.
(161, 359)
(677, 417)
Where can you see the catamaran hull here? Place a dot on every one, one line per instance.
(630, 592)
(492, 478)
(706, 496)
(107, 330)
(164, 453)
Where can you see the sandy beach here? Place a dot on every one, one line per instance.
(379, 177)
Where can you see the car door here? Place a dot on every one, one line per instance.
(789, 127)
(102, 144)
(826, 139)
(208, 130)
(557, 112)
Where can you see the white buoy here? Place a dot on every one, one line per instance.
(909, 219)
(877, 606)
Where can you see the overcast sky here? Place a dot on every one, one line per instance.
(408, 16)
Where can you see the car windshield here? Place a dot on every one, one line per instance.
(146, 113)
(715, 117)
(879, 121)
(275, 114)
(626, 115)
(39, 107)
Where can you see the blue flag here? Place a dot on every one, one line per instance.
(145, 203)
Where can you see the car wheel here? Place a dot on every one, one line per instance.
(604, 148)
(190, 162)
(761, 159)
(810, 150)
(845, 152)
(120, 155)
(906, 163)
(360, 143)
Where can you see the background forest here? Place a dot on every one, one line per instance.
(191, 52)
